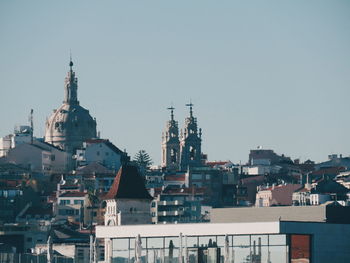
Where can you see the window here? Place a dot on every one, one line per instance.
(98, 153)
(153, 204)
(64, 202)
(80, 253)
(300, 248)
(77, 202)
(69, 212)
(62, 212)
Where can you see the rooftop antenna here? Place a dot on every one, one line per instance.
(190, 105)
(31, 125)
(171, 111)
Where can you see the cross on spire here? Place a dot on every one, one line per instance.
(190, 105)
(171, 111)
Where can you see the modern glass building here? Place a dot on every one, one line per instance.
(265, 242)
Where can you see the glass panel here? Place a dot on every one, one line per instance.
(132, 255)
(300, 248)
(192, 242)
(207, 241)
(120, 256)
(144, 252)
(277, 240)
(241, 254)
(213, 255)
(221, 241)
(171, 255)
(241, 241)
(193, 255)
(171, 241)
(120, 243)
(144, 242)
(155, 255)
(261, 239)
(132, 242)
(155, 242)
(278, 254)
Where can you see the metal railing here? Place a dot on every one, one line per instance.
(32, 258)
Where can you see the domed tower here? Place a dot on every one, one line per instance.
(190, 142)
(171, 144)
(70, 125)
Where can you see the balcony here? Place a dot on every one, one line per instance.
(176, 202)
(170, 213)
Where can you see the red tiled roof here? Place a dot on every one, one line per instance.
(302, 190)
(94, 168)
(95, 140)
(177, 177)
(329, 170)
(212, 164)
(128, 184)
(107, 142)
(38, 211)
(73, 194)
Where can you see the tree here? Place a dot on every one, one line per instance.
(143, 160)
(92, 195)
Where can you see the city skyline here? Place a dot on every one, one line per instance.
(272, 75)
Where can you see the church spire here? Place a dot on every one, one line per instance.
(171, 112)
(190, 105)
(71, 85)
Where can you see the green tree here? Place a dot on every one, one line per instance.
(143, 160)
(92, 195)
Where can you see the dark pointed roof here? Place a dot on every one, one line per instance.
(128, 184)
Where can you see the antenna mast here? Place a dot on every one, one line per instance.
(31, 125)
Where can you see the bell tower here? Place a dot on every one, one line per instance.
(190, 142)
(171, 143)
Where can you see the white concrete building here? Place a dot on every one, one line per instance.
(101, 151)
(275, 242)
(318, 199)
(72, 206)
(22, 134)
(38, 157)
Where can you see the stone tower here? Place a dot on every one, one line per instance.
(70, 125)
(190, 143)
(128, 201)
(171, 144)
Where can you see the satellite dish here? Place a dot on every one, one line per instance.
(62, 182)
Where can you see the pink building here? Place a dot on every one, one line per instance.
(280, 195)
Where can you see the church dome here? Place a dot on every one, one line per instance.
(71, 124)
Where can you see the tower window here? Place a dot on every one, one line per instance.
(192, 153)
(173, 155)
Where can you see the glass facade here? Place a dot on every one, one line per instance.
(268, 248)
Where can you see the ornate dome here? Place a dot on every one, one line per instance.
(70, 125)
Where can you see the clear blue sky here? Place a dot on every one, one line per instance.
(270, 73)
